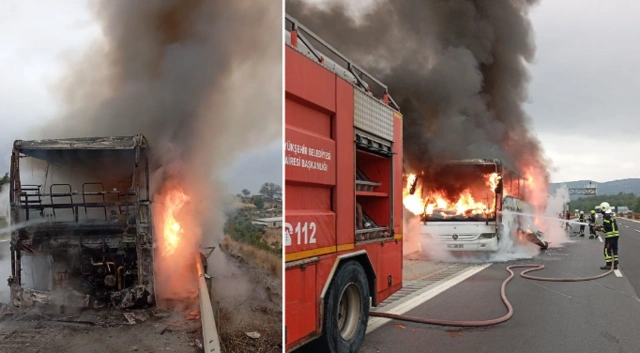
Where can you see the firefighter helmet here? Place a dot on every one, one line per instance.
(605, 207)
(581, 212)
(593, 211)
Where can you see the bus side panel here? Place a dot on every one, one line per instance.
(301, 308)
(344, 194)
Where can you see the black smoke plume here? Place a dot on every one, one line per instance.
(456, 68)
(201, 79)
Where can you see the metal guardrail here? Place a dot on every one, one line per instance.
(210, 336)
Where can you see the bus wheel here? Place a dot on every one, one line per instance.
(347, 309)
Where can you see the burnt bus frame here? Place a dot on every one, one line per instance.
(138, 145)
(497, 200)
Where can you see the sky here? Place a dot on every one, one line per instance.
(36, 44)
(584, 87)
(584, 82)
(582, 91)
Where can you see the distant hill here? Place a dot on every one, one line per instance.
(614, 187)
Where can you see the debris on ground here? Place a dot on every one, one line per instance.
(130, 318)
(253, 334)
(250, 320)
(45, 329)
(261, 308)
(192, 315)
(198, 344)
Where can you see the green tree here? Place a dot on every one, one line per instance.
(4, 180)
(270, 191)
(588, 203)
(258, 201)
(240, 228)
(246, 192)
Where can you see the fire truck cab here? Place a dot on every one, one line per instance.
(343, 190)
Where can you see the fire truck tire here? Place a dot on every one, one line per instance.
(346, 310)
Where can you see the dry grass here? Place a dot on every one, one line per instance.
(274, 236)
(262, 259)
(235, 339)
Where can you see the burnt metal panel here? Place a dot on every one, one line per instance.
(86, 143)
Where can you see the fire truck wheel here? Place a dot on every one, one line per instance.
(347, 309)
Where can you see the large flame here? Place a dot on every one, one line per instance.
(177, 235)
(463, 204)
(172, 231)
(492, 180)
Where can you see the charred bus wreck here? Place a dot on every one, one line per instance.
(81, 218)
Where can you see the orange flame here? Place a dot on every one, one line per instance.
(413, 202)
(172, 230)
(492, 180)
(463, 204)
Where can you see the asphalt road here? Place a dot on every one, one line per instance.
(629, 245)
(597, 316)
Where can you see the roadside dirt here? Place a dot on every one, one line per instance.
(250, 304)
(274, 237)
(43, 331)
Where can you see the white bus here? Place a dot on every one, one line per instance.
(463, 202)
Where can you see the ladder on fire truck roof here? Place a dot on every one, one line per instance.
(296, 33)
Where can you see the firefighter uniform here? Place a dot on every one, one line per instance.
(592, 225)
(581, 219)
(610, 228)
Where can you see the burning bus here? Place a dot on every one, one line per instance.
(82, 228)
(463, 204)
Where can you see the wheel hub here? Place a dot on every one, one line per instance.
(349, 311)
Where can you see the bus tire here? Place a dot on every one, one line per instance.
(346, 310)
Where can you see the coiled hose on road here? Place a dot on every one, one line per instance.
(484, 323)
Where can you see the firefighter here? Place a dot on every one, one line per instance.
(610, 228)
(581, 219)
(592, 225)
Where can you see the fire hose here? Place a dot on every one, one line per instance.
(505, 301)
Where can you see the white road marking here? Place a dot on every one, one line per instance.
(618, 273)
(600, 238)
(376, 322)
(626, 226)
(637, 230)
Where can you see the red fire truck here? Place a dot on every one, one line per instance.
(343, 194)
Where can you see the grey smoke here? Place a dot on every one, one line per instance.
(200, 79)
(456, 68)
